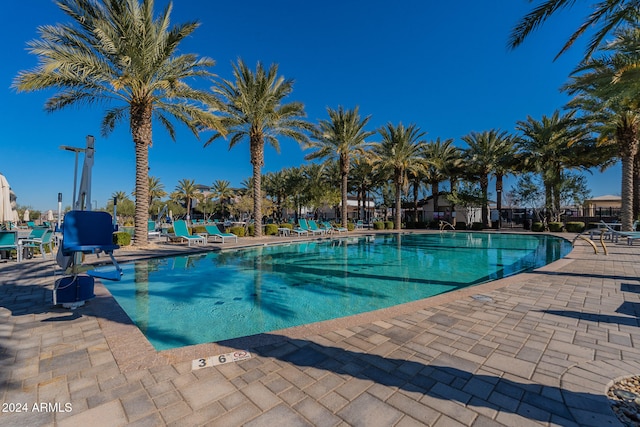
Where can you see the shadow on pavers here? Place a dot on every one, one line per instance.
(529, 400)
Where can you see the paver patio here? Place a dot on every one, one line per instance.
(536, 349)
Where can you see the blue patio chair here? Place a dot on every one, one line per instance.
(84, 232)
(182, 232)
(9, 241)
(216, 232)
(303, 225)
(332, 227)
(89, 232)
(44, 240)
(313, 226)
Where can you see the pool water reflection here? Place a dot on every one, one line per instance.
(184, 300)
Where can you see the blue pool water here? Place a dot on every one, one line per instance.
(184, 300)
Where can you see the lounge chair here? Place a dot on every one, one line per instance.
(613, 234)
(31, 224)
(9, 241)
(36, 233)
(215, 232)
(333, 228)
(44, 240)
(303, 225)
(299, 231)
(182, 232)
(360, 224)
(151, 229)
(313, 226)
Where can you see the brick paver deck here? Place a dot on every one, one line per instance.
(536, 349)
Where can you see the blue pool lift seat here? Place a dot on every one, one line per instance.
(84, 232)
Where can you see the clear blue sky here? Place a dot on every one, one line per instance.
(441, 65)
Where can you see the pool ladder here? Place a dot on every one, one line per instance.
(591, 242)
(444, 224)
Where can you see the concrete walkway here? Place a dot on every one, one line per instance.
(535, 349)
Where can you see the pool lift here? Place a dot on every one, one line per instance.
(83, 232)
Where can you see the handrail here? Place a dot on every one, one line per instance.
(444, 224)
(588, 240)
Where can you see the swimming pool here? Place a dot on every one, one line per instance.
(185, 300)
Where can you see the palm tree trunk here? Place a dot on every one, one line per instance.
(499, 198)
(345, 207)
(257, 200)
(398, 212)
(416, 187)
(628, 150)
(636, 186)
(453, 184)
(484, 188)
(626, 212)
(257, 160)
(435, 192)
(140, 123)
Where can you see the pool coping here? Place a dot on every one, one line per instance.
(132, 350)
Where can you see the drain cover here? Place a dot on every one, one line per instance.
(482, 298)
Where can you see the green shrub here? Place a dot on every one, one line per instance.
(461, 225)
(556, 227)
(198, 229)
(271, 229)
(388, 225)
(537, 226)
(434, 224)
(476, 226)
(351, 226)
(286, 225)
(378, 225)
(239, 230)
(121, 238)
(575, 227)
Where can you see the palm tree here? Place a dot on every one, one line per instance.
(319, 191)
(608, 14)
(119, 196)
(364, 180)
(156, 189)
(416, 177)
(506, 163)
(340, 138)
(483, 156)
(398, 152)
(252, 107)
(438, 157)
(275, 186)
(185, 192)
(608, 93)
(551, 145)
(296, 187)
(221, 190)
(116, 50)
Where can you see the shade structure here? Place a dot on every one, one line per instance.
(25, 216)
(6, 212)
(49, 215)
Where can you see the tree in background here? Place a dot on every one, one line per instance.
(606, 17)
(482, 156)
(118, 51)
(340, 138)
(252, 108)
(186, 192)
(607, 92)
(397, 153)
